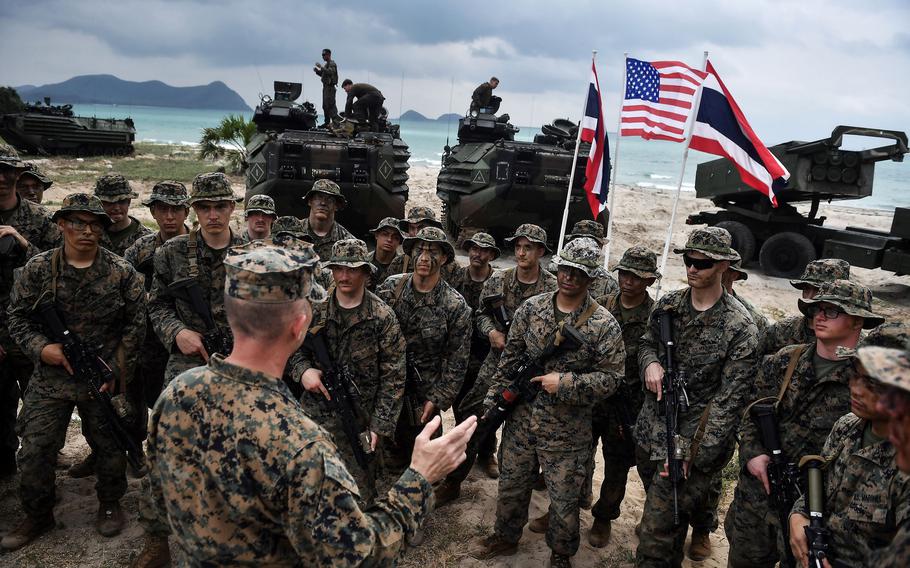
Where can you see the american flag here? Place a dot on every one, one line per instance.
(597, 172)
(659, 96)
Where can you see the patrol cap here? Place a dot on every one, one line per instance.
(33, 170)
(389, 223)
(853, 298)
(421, 214)
(261, 203)
(85, 203)
(823, 270)
(9, 157)
(639, 261)
(888, 366)
(713, 242)
(531, 232)
(213, 186)
(482, 240)
(268, 274)
(737, 267)
(169, 192)
(894, 335)
(352, 253)
(588, 228)
(328, 187)
(288, 224)
(430, 235)
(113, 187)
(583, 253)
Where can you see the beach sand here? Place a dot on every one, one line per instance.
(641, 218)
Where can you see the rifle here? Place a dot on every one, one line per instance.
(344, 397)
(147, 269)
(675, 402)
(817, 535)
(414, 395)
(496, 307)
(213, 339)
(783, 474)
(90, 368)
(626, 421)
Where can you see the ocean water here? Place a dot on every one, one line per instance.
(647, 164)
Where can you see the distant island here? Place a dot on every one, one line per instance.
(108, 89)
(414, 116)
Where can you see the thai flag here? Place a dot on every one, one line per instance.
(720, 128)
(597, 172)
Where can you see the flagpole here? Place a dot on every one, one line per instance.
(663, 260)
(565, 214)
(612, 203)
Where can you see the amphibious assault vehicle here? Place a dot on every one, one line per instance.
(490, 180)
(53, 129)
(289, 153)
(784, 239)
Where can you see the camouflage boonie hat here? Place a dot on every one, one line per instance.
(639, 261)
(894, 335)
(214, 186)
(288, 224)
(713, 242)
(265, 273)
(583, 253)
(421, 214)
(482, 240)
(888, 366)
(113, 187)
(261, 203)
(82, 202)
(389, 223)
(824, 270)
(168, 192)
(531, 232)
(737, 267)
(10, 157)
(32, 169)
(352, 253)
(430, 235)
(587, 228)
(327, 187)
(853, 298)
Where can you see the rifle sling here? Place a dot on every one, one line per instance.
(788, 376)
(399, 288)
(191, 244)
(582, 319)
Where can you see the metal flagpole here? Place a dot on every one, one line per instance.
(663, 260)
(610, 206)
(565, 214)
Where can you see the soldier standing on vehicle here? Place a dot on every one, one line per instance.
(364, 340)
(328, 74)
(115, 194)
(259, 215)
(100, 298)
(364, 101)
(32, 183)
(552, 433)
(388, 237)
(810, 384)
(482, 97)
(324, 199)
(715, 342)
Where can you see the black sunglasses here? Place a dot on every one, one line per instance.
(699, 263)
(831, 312)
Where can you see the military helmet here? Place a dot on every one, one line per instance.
(713, 242)
(113, 187)
(168, 192)
(639, 261)
(85, 203)
(482, 240)
(389, 223)
(585, 254)
(328, 187)
(9, 157)
(588, 228)
(822, 270)
(421, 214)
(261, 203)
(851, 297)
(352, 253)
(430, 235)
(32, 169)
(260, 272)
(532, 232)
(213, 186)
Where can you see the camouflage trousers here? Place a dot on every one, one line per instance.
(752, 529)
(329, 105)
(464, 408)
(365, 478)
(42, 426)
(619, 455)
(564, 474)
(15, 370)
(704, 518)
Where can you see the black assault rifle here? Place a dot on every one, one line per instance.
(818, 536)
(414, 394)
(675, 402)
(213, 339)
(496, 307)
(89, 368)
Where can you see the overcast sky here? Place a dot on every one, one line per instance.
(797, 69)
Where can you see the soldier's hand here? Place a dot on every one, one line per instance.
(798, 543)
(666, 471)
(374, 440)
(434, 459)
(10, 230)
(758, 467)
(108, 386)
(497, 340)
(52, 355)
(428, 410)
(549, 382)
(311, 379)
(654, 378)
(189, 342)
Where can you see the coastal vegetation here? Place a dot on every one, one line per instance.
(228, 142)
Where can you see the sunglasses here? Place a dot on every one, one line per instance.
(830, 312)
(699, 263)
(78, 225)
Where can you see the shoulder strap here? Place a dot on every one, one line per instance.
(791, 367)
(582, 319)
(611, 303)
(191, 253)
(399, 288)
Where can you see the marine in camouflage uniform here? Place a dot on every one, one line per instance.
(103, 304)
(794, 330)
(389, 233)
(32, 183)
(736, 274)
(29, 226)
(603, 285)
(322, 213)
(328, 74)
(418, 218)
(715, 347)
(810, 401)
(366, 342)
(288, 225)
(553, 432)
(262, 208)
(115, 194)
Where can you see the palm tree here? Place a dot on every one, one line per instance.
(228, 140)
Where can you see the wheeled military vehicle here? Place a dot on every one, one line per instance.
(289, 153)
(784, 239)
(490, 180)
(53, 129)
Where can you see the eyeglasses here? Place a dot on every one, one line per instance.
(699, 263)
(78, 225)
(830, 312)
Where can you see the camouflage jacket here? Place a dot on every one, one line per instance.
(793, 330)
(437, 330)
(866, 497)
(808, 409)
(170, 315)
(372, 349)
(897, 554)
(758, 318)
(716, 348)
(600, 287)
(505, 282)
(329, 73)
(466, 286)
(118, 242)
(634, 324)
(382, 271)
(103, 305)
(323, 245)
(141, 254)
(404, 264)
(562, 421)
(247, 478)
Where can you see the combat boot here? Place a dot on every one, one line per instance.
(155, 553)
(110, 520)
(28, 530)
(700, 547)
(600, 533)
(489, 466)
(540, 524)
(492, 546)
(447, 492)
(560, 560)
(84, 468)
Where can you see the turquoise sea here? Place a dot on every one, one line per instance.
(647, 164)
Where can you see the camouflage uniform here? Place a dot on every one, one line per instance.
(111, 188)
(605, 284)
(292, 226)
(323, 244)
(806, 413)
(761, 322)
(329, 77)
(34, 170)
(553, 432)
(716, 349)
(104, 305)
(366, 341)
(382, 270)
(259, 203)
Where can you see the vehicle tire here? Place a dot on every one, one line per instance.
(743, 239)
(786, 255)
